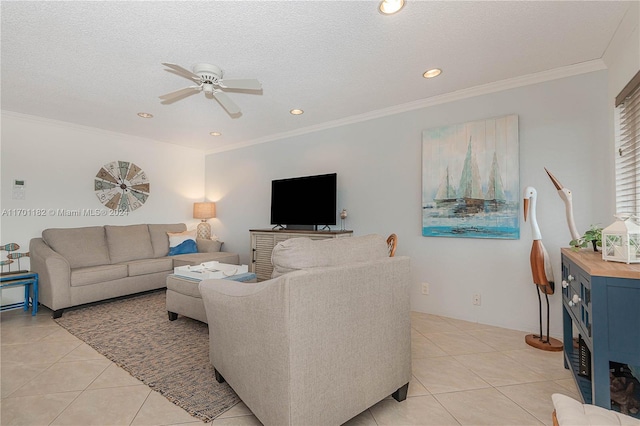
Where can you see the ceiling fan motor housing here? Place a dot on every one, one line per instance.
(209, 74)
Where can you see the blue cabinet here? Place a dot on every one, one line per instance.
(601, 301)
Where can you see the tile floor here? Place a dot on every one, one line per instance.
(463, 374)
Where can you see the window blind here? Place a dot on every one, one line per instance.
(628, 148)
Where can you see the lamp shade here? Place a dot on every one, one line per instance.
(204, 210)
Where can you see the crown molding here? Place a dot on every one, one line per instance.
(498, 86)
(494, 87)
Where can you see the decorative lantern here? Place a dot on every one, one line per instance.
(621, 240)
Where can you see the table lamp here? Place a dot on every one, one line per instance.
(204, 211)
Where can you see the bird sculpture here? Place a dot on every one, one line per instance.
(567, 199)
(541, 271)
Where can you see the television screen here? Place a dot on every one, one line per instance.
(308, 200)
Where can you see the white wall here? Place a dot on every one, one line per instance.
(563, 125)
(59, 161)
(623, 54)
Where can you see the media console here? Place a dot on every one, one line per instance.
(264, 240)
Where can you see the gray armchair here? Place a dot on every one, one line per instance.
(319, 345)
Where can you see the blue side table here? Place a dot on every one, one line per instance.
(30, 282)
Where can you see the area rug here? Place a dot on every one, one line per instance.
(171, 357)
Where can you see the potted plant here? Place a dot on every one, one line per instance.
(593, 235)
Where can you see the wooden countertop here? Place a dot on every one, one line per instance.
(593, 264)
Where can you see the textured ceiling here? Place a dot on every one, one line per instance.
(99, 63)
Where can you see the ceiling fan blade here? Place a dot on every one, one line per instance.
(226, 102)
(241, 83)
(182, 93)
(182, 71)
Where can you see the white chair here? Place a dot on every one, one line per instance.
(320, 343)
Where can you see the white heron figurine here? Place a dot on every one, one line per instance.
(541, 271)
(567, 199)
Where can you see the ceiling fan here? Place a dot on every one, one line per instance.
(208, 79)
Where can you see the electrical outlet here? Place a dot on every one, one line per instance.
(477, 299)
(425, 288)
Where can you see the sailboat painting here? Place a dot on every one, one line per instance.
(470, 180)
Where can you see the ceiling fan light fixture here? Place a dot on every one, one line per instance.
(433, 72)
(208, 79)
(296, 111)
(145, 115)
(389, 7)
(215, 133)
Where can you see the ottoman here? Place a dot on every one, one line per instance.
(183, 296)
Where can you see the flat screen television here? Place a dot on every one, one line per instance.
(304, 202)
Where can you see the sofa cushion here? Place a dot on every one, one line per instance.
(81, 247)
(208, 246)
(177, 238)
(182, 242)
(303, 253)
(570, 412)
(185, 247)
(160, 239)
(149, 266)
(127, 243)
(97, 274)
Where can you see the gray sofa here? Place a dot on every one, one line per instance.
(83, 265)
(326, 339)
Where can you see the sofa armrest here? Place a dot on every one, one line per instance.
(208, 246)
(248, 338)
(54, 275)
(257, 304)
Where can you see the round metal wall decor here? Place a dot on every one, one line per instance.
(122, 186)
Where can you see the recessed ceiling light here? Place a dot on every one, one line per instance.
(296, 111)
(434, 72)
(215, 133)
(389, 7)
(145, 115)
